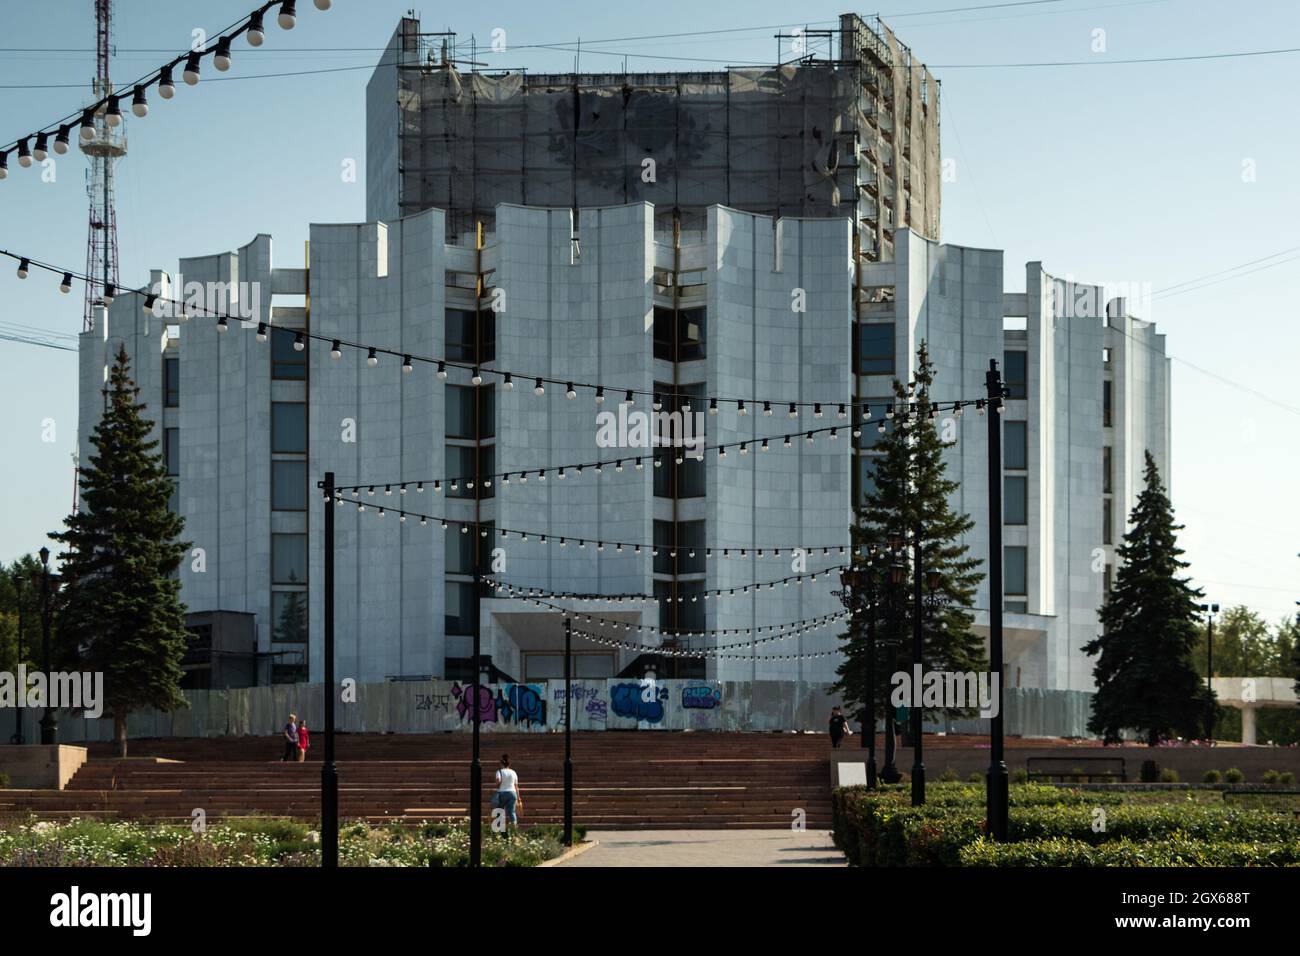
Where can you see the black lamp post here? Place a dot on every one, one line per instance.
(49, 723)
(17, 738)
(858, 592)
(329, 776)
(897, 577)
(1210, 610)
(568, 715)
(998, 785)
(917, 714)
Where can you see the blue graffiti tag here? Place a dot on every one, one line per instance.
(640, 702)
(527, 703)
(701, 696)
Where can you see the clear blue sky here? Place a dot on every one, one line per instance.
(1119, 173)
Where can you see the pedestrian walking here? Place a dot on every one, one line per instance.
(303, 741)
(507, 795)
(290, 736)
(839, 727)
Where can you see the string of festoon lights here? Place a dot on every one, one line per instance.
(475, 374)
(35, 145)
(700, 652)
(774, 632)
(564, 541)
(695, 596)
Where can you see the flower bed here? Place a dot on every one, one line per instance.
(265, 842)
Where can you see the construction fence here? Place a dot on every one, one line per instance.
(424, 707)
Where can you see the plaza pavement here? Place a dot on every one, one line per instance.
(709, 848)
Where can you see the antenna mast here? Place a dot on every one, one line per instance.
(103, 150)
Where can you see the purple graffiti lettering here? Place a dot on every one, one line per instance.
(641, 702)
(702, 697)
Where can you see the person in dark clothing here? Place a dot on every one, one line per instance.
(290, 736)
(839, 726)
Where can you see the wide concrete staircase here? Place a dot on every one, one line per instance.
(621, 780)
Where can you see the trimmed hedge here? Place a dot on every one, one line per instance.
(1167, 852)
(882, 829)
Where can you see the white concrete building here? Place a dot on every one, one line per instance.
(604, 294)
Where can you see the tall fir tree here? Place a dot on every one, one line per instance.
(912, 489)
(1146, 681)
(122, 607)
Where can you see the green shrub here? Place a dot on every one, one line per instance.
(1270, 777)
(949, 776)
(1020, 775)
(1212, 776)
(1286, 777)
(1060, 851)
(1169, 775)
(1233, 775)
(975, 777)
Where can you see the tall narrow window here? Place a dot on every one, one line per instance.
(286, 361)
(1015, 445)
(171, 382)
(876, 348)
(1015, 568)
(289, 427)
(1107, 522)
(1015, 499)
(1016, 364)
(1107, 391)
(1105, 470)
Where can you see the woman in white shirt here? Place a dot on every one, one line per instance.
(507, 789)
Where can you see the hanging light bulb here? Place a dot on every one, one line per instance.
(110, 292)
(66, 285)
(87, 125)
(149, 301)
(406, 364)
(191, 73)
(221, 324)
(299, 341)
(166, 88)
(322, 4)
(61, 139)
(287, 17)
(113, 115)
(476, 378)
(4, 164)
(569, 391)
(38, 151)
(509, 384)
(221, 59)
(24, 154)
(139, 105)
(256, 32)
(372, 359)
(539, 388)
(261, 331)
(23, 266)
(335, 350)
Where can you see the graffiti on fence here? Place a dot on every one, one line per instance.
(643, 701)
(512, 704)
(435, 702)
(588, 698)
(701, 697)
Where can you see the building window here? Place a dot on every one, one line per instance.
(288, 559)
(1107, 521)
(289, 485)
(1015, 445)
(1015, 570)
(286, 361)
(870, 427)
(471, 412)
(1017, 368)
(1105, 470)
(680, 336)
(1105, 580)
(1015, 499)
(866, 478)
(458, 615)
(1107, 390)
(876, 349)
(470, 335)
(289, 617)
(464, 480)
(171, 382)
(673, 424)
(686, 539)
(289, 427)
(459, 549)
(1105, 357)
(172, 450)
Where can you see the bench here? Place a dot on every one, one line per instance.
(1076, 769)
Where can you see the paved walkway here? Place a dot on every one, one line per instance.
(710, 848)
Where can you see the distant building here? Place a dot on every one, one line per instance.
(703, 309)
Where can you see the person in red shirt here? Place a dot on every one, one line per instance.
(303, 741)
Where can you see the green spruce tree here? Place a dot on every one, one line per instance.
(1144, 673)
(121, 606)
(912, 489)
